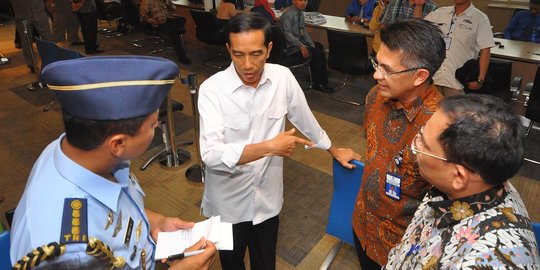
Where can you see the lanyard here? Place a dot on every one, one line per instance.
(451, 24)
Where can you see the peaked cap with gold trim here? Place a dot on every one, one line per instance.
(110, 87)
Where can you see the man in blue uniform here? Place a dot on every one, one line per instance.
(525, 24)
(81, 199)
(360, 11)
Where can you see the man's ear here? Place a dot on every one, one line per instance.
(461, 178)
(421, 75)
(228, 48)
(270, 44)
(117, 144)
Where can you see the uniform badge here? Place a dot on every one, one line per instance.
(74, 221)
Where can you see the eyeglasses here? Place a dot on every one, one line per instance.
(415, 150)
(418, 140)
(385, 73)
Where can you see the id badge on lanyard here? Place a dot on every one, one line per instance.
(392, 187)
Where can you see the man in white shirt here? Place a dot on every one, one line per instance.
(242, 120)
(467, 31)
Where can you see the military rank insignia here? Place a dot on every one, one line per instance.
(74, 221)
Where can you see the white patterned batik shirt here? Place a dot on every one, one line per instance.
(489, 230)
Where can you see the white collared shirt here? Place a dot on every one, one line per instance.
(470, 32)
(232, 116)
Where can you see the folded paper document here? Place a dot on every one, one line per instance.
(212, 229)
(314, 18)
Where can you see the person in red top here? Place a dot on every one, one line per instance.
(396, 108)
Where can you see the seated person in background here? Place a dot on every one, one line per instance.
(405, 9)
(282, 4)
(161, 13)
(375, 25)
(261, 7)
(299, 46)
(524, 23)
(360, 11)
(81, 191)
(472, 218)
(226, 10)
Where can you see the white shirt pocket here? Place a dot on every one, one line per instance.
(237, 127)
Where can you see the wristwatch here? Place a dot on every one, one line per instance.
(480, 82)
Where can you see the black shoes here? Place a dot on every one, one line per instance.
(77, 43)
(323, 88)
(184, 60)
(18, 45)
(94, 51)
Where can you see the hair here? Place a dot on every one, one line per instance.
(88, 134)
(485, 135)
(420, 43)
(250, 21)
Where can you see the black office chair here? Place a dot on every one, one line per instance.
(313, 5)
(131, 13)
(109, 12)
(152, 36)
(164, 154)
(348, 53)
(277, 55)
(499, 80)
(210, 31)
(49, 53)
(533, 103)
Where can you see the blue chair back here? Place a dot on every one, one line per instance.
(5, 263)
(50, 52)
(536, 230)
(346, 185)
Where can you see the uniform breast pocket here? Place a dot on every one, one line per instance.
(466, 31)
(237, 126)
(276, 114)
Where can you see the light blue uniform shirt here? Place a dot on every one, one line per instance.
(54, 177)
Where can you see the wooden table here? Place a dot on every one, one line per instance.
(520, 51)
(336, 23)
(340, 24)
(187, 4)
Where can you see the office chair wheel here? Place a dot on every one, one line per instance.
(166, 159)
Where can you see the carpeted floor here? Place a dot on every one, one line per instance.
(40, 97)
(305, 210)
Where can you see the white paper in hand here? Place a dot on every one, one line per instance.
(212, 229)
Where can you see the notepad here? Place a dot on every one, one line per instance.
(212, 229)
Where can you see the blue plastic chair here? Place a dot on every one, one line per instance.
(5, 263)
(346, 185)
(536, 230)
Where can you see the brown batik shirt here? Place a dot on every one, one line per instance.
(378, 220)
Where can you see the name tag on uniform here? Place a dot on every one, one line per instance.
(392, 188)
(74, 221)
(447, 42)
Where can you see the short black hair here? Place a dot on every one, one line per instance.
(249, 21)
(90, 134)
(485, 135)
(420, 43)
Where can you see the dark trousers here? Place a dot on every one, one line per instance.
(366, 263)
(261, 239)
(88, 22)
(319, 72)
(171, 32)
